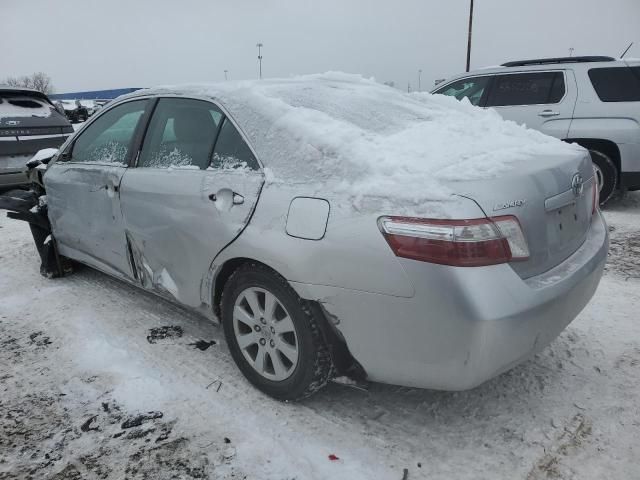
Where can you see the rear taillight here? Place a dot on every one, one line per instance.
(595, 196)
(461, 243)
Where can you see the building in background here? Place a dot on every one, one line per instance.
(94, 95)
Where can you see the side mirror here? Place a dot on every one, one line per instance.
(42, 157)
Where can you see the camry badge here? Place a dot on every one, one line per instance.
(577, 185)
(511, 204)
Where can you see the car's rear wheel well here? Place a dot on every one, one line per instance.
(609, 148)
(343, 361)
(221, 278)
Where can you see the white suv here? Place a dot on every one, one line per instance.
(592, 101)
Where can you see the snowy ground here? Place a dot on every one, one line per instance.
(81, 358)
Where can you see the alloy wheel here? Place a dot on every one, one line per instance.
(265, 334)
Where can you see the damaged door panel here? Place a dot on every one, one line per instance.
(83, 185)
(85, 214)
(174, 230)
(190, 194)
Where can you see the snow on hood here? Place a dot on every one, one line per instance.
(370, 140)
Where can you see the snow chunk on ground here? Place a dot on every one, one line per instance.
(366, 139)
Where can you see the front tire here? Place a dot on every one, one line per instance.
(272, 334)
(607, 173)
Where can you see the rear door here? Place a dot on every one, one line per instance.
(83, 189)
(542, 100)
(192, 192)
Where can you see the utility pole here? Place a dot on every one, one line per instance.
(469, 40)
(419, 80)
(259, 45)
(225, 74)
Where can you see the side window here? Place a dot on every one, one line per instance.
(108, 139)
(471, 88)
(536, 88)
(231, 151)
(617, 84)
(181, 134)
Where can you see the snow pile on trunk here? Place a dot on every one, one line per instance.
(369, 140)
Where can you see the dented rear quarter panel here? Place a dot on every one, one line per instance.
(353, 253)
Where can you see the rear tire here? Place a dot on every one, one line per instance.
(307, 367)
(607, 175)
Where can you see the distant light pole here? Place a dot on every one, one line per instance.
(259, 45)
(469, 40)
(419, 80)
(225, 75)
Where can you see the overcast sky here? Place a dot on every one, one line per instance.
(95, 44)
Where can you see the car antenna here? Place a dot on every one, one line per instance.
(628, 48)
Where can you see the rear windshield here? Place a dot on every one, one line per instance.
(616, 84)
(21, 104)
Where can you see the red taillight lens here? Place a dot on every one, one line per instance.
(461, 243)
(595, 192)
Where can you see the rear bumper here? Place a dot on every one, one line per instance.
(629, 166)
(630, 180)
(464, 325)
(13, 170)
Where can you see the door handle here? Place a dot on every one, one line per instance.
(226, 196)
(548, 113)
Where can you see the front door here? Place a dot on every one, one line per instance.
(191, 193)
(83, 190)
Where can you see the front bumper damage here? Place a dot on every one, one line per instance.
(29, 204)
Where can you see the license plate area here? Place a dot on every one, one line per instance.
(567, 227)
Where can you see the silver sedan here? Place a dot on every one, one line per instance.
(334, 226)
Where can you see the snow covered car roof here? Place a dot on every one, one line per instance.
(368, 139)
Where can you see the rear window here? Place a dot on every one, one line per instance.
(616, 84)
(231, 151)
(536, 88)
(20, 104)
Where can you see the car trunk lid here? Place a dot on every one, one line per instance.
(552, 198)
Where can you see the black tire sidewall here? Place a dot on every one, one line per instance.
(294, 386)
(609, 175)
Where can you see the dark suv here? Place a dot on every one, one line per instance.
(28, 122)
